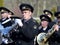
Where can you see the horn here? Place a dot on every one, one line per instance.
(15, 17)
(42, 38)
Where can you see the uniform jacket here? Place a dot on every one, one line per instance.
(26, 33)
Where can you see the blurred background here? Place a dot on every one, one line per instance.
(39, 5)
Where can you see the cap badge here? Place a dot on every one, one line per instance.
(46, 12)
(24, 7)
(43, 17)
(2, 10)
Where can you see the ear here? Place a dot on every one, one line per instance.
(30, 13)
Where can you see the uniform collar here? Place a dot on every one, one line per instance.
(27, 21)
(45, 28)
(3, 19)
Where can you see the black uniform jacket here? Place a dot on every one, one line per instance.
(27, 32)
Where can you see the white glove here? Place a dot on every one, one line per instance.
(5, 40)
(19, 22)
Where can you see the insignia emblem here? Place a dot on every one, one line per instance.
(2, 10)
(24, 7)
(46, 12)
(43, 17)
(35, 27)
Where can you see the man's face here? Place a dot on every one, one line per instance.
(44, 23)
(26, 14)
(5, 15)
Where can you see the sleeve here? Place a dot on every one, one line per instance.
(31, 30)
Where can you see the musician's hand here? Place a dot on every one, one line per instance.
(56, 27)
(19, 22)
(9, 16)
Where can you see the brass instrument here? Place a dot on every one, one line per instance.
(5, 32)
(43, 37)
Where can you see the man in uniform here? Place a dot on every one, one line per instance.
(55, 38)
(45, 27)
(45, 20)
(7, 24)
(29, 29)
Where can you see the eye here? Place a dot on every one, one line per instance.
(2, 12)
